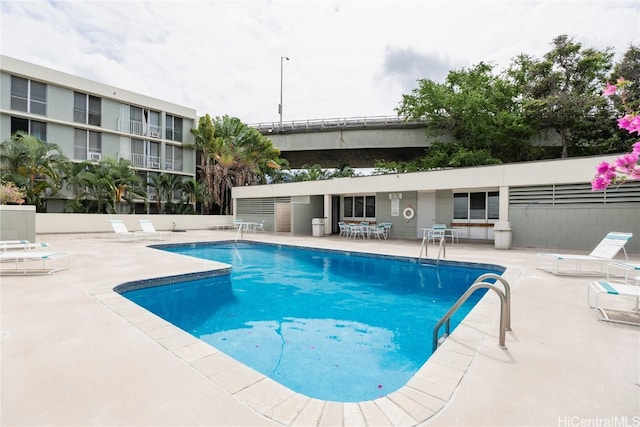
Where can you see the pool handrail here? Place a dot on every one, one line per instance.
(505, 310)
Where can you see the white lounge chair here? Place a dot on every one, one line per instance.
(602, 288)
(149, 231)
(601, 255)
(32, 262)
(122, 232)
(24, 245)
(630, 271)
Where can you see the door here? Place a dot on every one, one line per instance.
(426, 212)
(335, 214)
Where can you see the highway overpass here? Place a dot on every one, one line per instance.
(355, 141)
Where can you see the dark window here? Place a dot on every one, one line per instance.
(19, 94)
(173, 128)
(370, 207)
(18, 124)
(87, 145)
(32, 127)
(38, 98)
(493, 205)
(29, 96)
(95, 111)
(477, 205)
(79, 107)
(460, 206)
(348, 207)
(358, 209)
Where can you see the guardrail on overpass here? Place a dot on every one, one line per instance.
(319, 125)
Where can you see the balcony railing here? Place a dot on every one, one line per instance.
(143, 161)
(139, 128)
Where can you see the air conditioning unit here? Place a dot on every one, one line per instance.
(155, 134)
(95, 157)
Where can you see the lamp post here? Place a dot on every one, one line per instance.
(282, 58)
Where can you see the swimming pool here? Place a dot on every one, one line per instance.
(332, 325)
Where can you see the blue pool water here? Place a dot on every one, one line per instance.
(328, 324)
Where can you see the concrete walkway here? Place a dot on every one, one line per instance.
(74, 353)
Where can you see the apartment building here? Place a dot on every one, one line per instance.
(92, 121)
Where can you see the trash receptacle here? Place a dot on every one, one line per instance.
(502, 235)
(317, 225)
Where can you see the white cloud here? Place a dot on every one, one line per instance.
(348, 58)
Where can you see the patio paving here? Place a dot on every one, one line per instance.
(74, 353)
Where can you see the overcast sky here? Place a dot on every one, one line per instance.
(347, 58)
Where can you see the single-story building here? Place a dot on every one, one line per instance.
(543, 204)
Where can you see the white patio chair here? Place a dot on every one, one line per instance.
(344, 229)
(436, 233)
(379, 231)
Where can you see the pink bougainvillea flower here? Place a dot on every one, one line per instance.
(630, 122)
(636, 147)
(603, 168)
(599, 184)
(609, 89)
(628, 159)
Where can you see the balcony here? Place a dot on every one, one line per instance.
(142, 160)
(139, 128)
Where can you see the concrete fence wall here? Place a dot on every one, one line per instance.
(48, 223)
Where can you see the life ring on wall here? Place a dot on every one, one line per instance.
(408, 213)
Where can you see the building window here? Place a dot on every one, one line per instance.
(135, 120)
(87, 145)
(153, 121)
(173, 128)
(173, 158)
(28, 96)
(87, 109)
(360, 207)
(32, 127)
(476, 206)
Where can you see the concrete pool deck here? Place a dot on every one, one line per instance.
(75, 353)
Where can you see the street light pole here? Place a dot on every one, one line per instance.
(282, 58)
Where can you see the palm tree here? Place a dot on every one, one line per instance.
(32, 165)
(192, 193)
(166, 184)
(312, 173)
(115, 186)
(204, 136)
(231, 153)
(76, 178)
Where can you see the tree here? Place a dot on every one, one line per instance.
(439, 156)
(239, 154)
(76, 178)
(629, 69)
(114, 186)
(479, 109)
(32, 165)
(205, 145)
(312, 173)
(192, 193)
(166, 185)
(562, 92)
